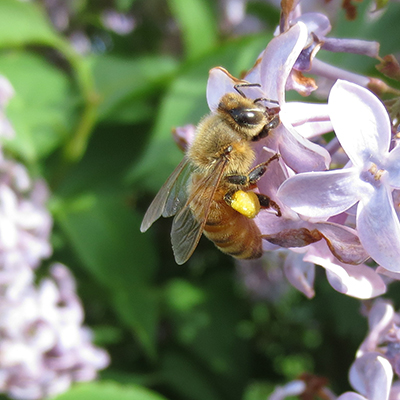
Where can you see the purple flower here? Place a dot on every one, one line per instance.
(271, 71)
(318, 26)
(43, 346)
(371, 375)
(120, 23)
(362, 127)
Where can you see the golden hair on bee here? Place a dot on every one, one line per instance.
(210, 191)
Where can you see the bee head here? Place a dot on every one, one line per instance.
(243, 114)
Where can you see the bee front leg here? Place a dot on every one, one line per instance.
(258, 171)
(254, 174)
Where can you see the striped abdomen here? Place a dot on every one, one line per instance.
(231, 232)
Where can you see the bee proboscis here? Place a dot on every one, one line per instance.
(210, 190)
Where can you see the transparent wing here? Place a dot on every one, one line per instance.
(186, 229)
(171, 197)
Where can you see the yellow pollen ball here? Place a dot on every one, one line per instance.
(246, 203)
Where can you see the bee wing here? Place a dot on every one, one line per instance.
(186, 229)
(171, 197)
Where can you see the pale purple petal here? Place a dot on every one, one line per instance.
(184, 135)
(380, 318)
(300, 273)
(392, 275)
(220, 81)
(299, 113)
(343, 242)
(326, 70)
(395, 391)
(278, 60)
(293, 388)
(351, 396)
(379, 228)
(361, 122)
(316, 22)
(354, 46)
(393, 167)
(300, 154)
(311, 130)
(371, 375)
(357, 281)
(321, 194)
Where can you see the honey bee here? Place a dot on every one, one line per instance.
(210, 190)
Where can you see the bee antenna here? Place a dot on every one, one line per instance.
(245, 84)
(267, 100)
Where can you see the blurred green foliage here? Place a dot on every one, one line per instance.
(98, 128)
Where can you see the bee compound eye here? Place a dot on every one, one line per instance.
(246, 117)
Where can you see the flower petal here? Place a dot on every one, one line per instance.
(354, 46)
(321, 194)
(343, 242)
(305, 114)
(358, 281)
(220, 81)
(300, 273)
(371, 375)
(361, 122)
(379, 228)
(393, 167)
(380, 318)
(316, 23)
(300, 154)
(278, 60)
(351, 396)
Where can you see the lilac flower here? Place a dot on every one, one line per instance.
(308, 386)
(318, 26)
(291, 231)
(362, 127)
(378, 356)
(371, 375)
(43, 347)
(25, 226)
(272, 71)
(120, 23)
(264, 279)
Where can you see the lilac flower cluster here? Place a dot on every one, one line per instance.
(43, 345)
(324, 231)
(339, 199)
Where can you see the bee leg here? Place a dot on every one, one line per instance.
(241, 180)
(266, 202)
(266, 128)
(254, 174)
(258, 171)
(269, 101)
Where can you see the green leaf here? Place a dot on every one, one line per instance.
(197, 23)
(105, 235)
(124, 83)
(207, 326)
(124, 5)
(23, 22)
(41, 110)
(187, 378)
(185, 102)
(109, 391)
